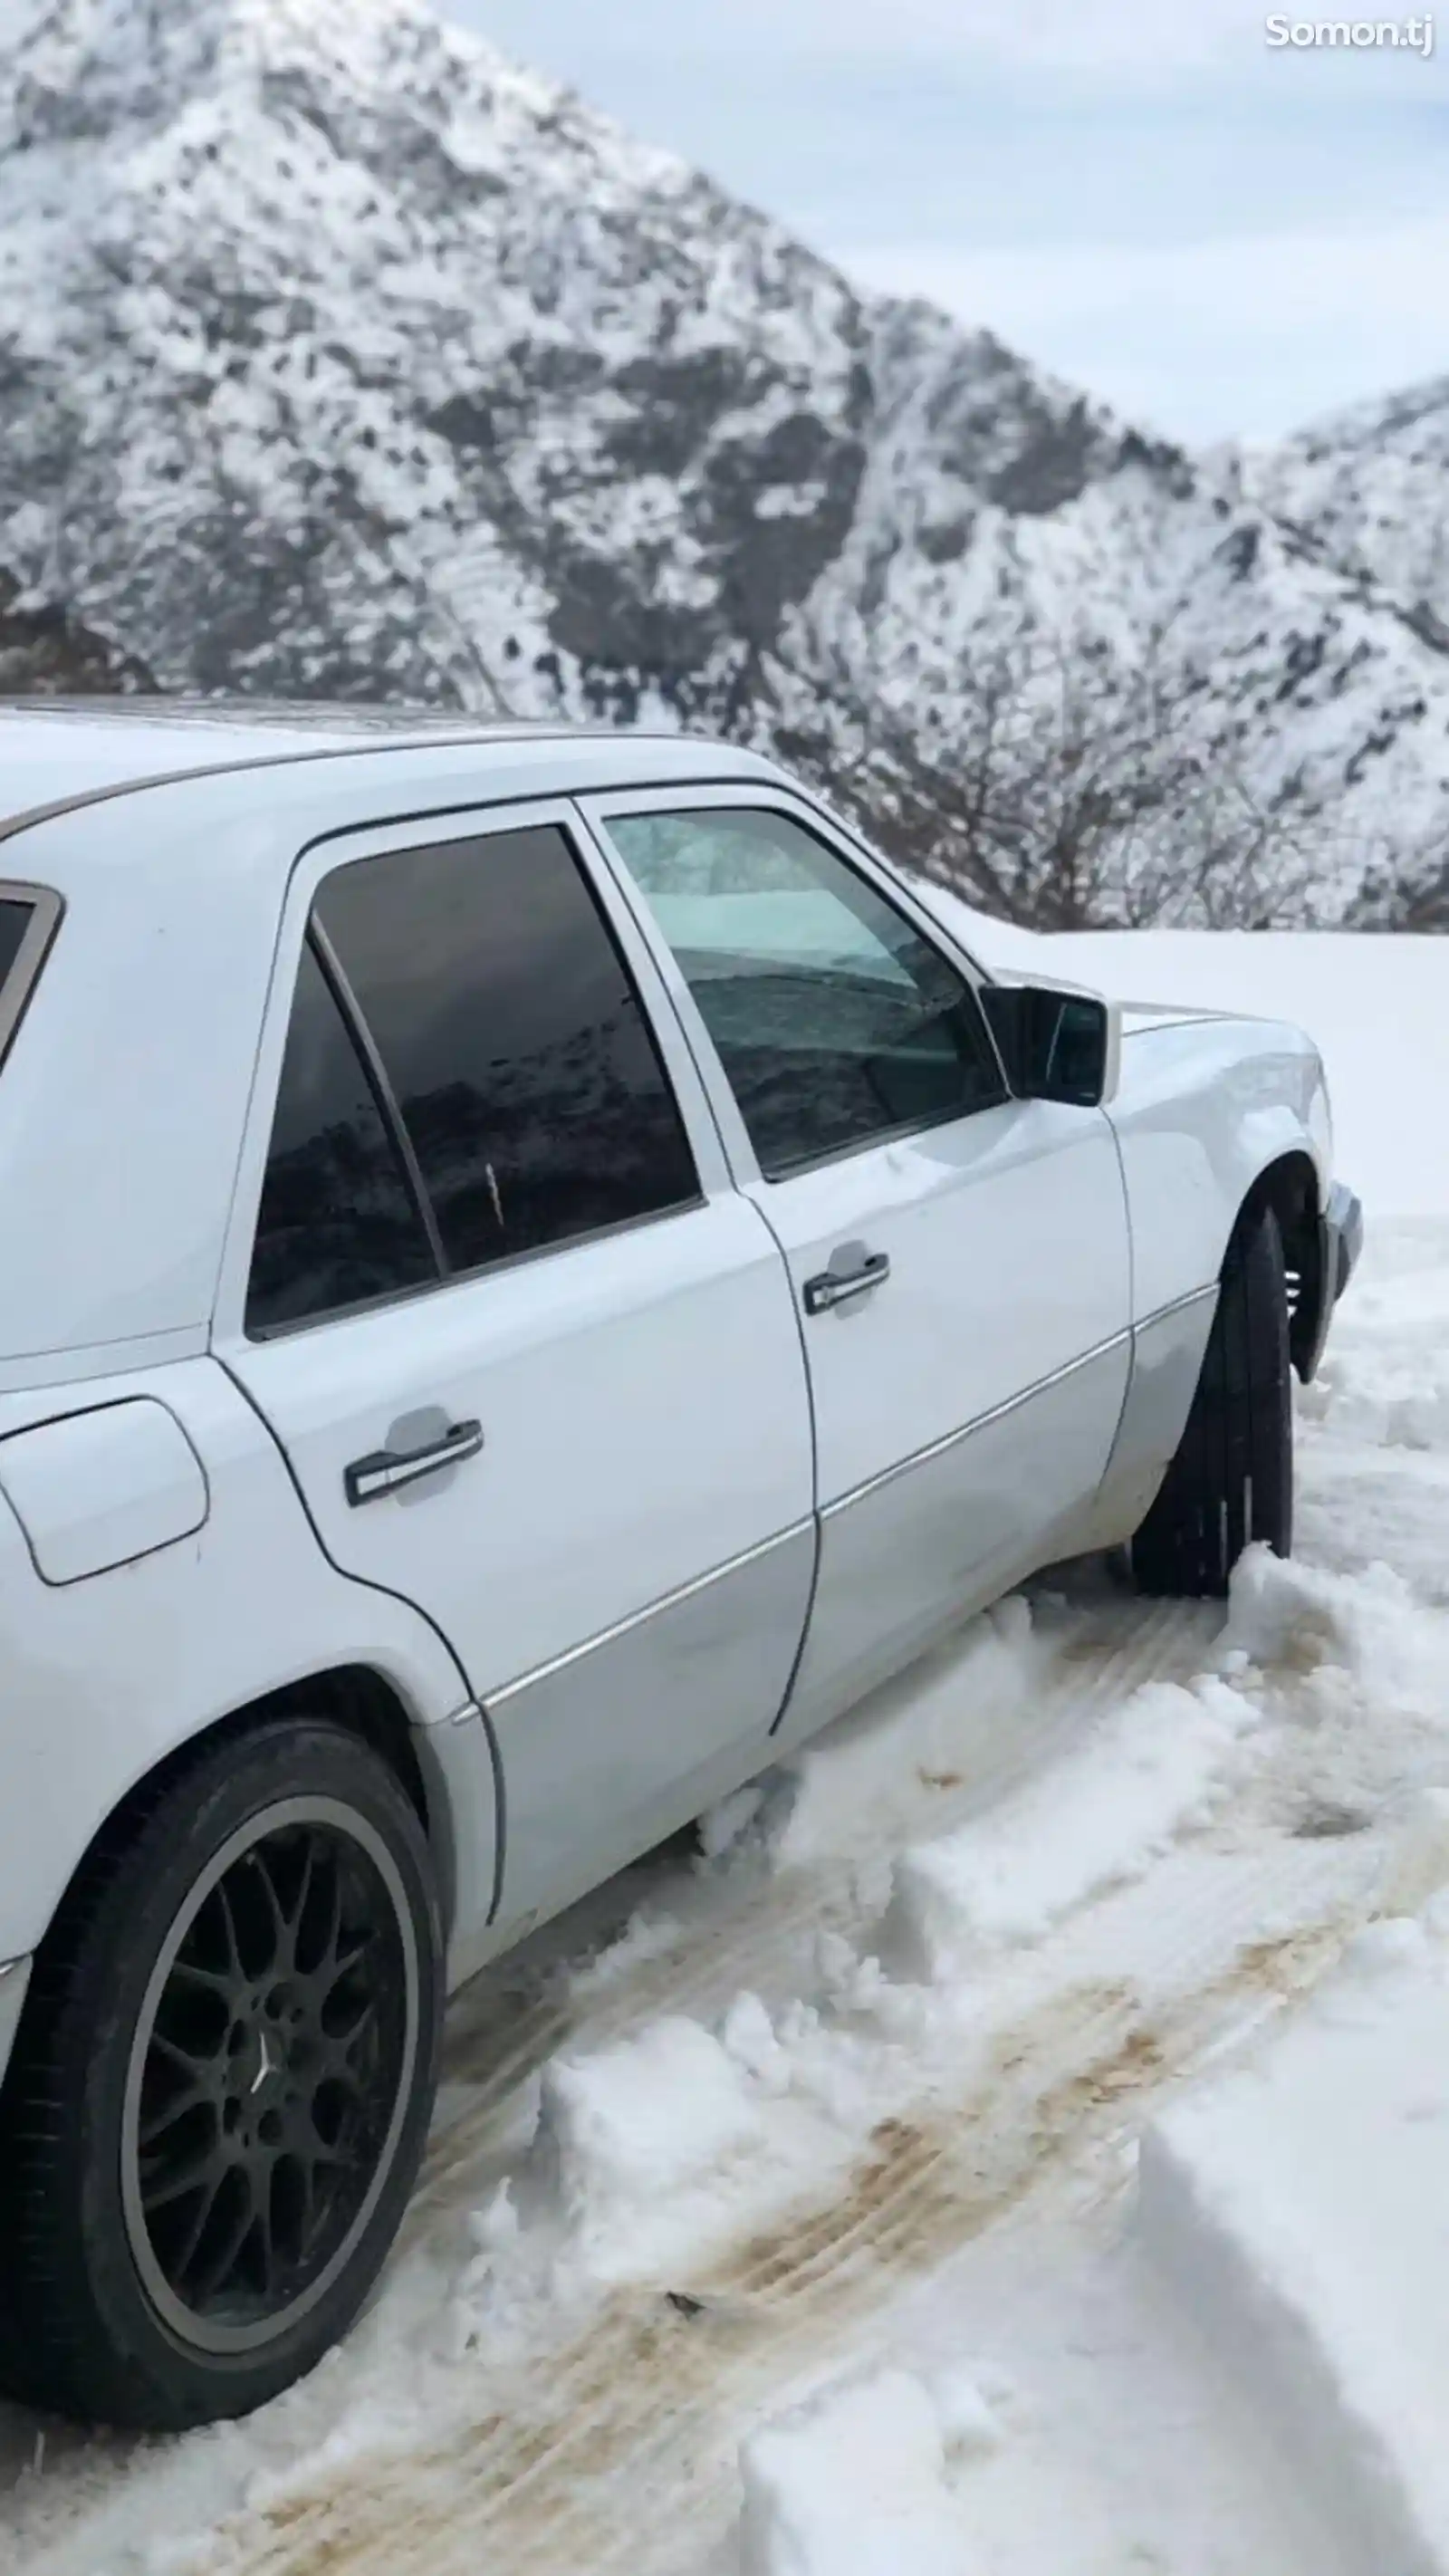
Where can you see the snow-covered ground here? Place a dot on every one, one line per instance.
(1375, 1005)
(1014, 2144)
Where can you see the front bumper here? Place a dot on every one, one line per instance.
(14, 1978)
(1340, 1242)
(1343, 1239)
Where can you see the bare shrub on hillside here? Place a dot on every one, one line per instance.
(1081, 791)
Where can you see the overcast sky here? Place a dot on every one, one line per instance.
(1223, 238)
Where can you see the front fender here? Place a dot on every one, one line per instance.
(1337, 1249)
(1204, 1107)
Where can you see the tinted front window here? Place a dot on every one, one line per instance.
(14, 923)
(338, 1223)
(522, 1063)
(835, 1021)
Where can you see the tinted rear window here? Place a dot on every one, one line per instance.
(14, 922)
(338, 1223)
(524, 1068)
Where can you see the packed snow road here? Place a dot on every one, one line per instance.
(856, 2088)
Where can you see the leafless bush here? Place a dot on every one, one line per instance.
(1079, 790)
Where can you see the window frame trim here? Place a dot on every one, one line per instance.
(254, 1335)
(859, 860)
(423, 1289)
(317, 860)
(47, 910)
(335, 976)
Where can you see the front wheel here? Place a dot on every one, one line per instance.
(221, 2087)
(1231, 1481)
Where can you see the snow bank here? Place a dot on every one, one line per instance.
(1419, 1867)
(1300, 2205)
(658, 2145)
(989, 941)
(856, 2484)
(654, 2150)
(1377, 1008)
(1333, 1639)
(646, 1936)
(628, 2125)
(875, 1773)
(1094, 1820)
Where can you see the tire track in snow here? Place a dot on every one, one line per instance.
(760, 1924)
(538, 2469)
(742, 1930)
(617, 2447)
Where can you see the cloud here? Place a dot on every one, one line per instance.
(1143, 41)
(1213, 235)
(1253, 335)
(1107, 36)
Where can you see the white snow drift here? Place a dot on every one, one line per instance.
(1300, 2206)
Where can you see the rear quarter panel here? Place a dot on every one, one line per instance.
(103, 1677)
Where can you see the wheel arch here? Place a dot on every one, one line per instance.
(1290, 1187)
(93, 2322)
(357, 1697)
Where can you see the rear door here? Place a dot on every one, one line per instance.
(532, 1359)
(959, 1258)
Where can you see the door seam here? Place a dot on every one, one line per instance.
(816, 1517)
(406, 1601)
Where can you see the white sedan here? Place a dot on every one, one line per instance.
(536, 1273)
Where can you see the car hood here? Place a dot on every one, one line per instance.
(1139, 1016)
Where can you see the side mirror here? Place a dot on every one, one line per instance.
(1055, 1044)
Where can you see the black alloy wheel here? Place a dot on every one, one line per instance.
(221, 2086)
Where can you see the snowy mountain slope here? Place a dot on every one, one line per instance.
(47, 650)
(1371, 488)
(340, 357)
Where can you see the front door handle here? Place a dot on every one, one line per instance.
(834, 1287)
(387, 1471)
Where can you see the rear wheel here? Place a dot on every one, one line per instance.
(1231, 1481)
(221, 2086)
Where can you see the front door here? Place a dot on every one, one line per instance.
(959, 1258)
(532, 1359)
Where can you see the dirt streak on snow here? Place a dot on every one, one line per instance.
(595, 2462)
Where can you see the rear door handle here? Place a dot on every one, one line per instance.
(834, 1287)
(387, 1471)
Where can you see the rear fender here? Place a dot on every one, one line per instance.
(109, 1672)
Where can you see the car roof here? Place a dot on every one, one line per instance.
(59, 752)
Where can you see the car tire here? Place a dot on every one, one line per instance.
(222, 2083)
(1231, 1482)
